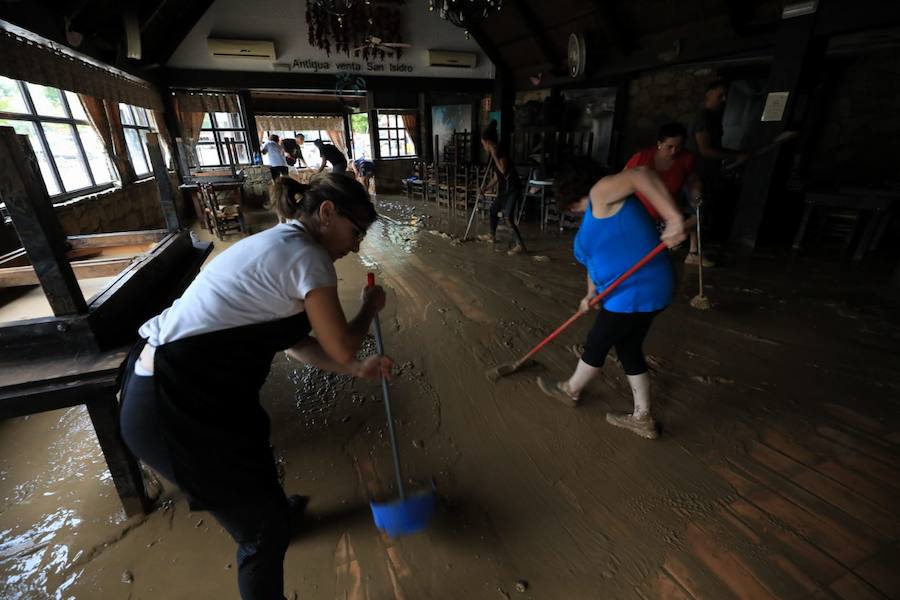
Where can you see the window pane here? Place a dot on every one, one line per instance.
(382, 121)
(207, 155)
(96, 155)
(72, 170)
(136, 152)
(385, 149)
(143, 133)
(76, 107)
(27, 128)
(140, 114)
(11, 99)
(206, 124)
(125, 113)
(47, 100)
(228, 120)
(207, 137)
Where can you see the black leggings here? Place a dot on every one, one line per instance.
(625, 332)
(262, 529)
(506, 202)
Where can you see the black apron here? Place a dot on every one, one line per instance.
(216, 431)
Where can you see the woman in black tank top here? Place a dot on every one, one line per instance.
(509, 188)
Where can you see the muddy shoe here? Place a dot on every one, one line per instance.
(694, 259)
(486, 237)
(554, 389)
(646, 427)
(517, 249)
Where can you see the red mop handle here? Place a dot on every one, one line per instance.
(370, 279)
(659, 248)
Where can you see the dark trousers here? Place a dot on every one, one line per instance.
(261, 529)
(625, 331)
(278, 171)
(507, 203)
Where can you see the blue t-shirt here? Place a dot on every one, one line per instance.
(610, 246)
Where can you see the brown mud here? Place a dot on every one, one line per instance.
(537, 500)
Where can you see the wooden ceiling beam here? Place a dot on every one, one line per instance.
(538, 32)
(612, 27)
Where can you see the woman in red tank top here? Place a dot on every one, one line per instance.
(677, 169)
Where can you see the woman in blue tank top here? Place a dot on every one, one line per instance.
(615, 234)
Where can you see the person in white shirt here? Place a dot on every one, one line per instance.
(190, 405)
(274, 154)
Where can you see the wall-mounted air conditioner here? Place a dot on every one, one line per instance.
(255, 49)
(447, 58)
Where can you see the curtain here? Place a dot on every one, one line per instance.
(337, 138)
(120, 148)
(204, 102)
(30, 58)
(190, 123)
(96, 113)
(164, 137)
(409, 122)
(299, 123)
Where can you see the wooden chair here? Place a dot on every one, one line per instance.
(443, 188)
(460, 191)
(417, 186)
(430, 183)
(220, 218)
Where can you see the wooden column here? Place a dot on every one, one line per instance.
(424, 128)
(503, 100)
(348, 137)
(22, 189)
(373, 125)
(797, 52)
(163, 183)
(249, 118)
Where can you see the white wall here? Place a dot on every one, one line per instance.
(284, 22)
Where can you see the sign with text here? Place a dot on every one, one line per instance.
(315, 66)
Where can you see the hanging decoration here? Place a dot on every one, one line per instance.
(464, 13)
(345, 26)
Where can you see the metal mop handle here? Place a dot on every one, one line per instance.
(699, 253)
(379, 346)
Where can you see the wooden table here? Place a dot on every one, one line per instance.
(232, 187)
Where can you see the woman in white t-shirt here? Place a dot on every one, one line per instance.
(190, 393)
(273, 152)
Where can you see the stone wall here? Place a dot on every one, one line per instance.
(861, 124)
(124, 209)
(660, 97)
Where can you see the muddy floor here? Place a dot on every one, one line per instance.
(776, 474)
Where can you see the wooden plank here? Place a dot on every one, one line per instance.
(864, 446)
(104, 267)
(122, 238)
(851, 587)
(854, 479)
(881, 523)
(823, 532)
(799, 549)
(667, 588)
(727, 566)
(854, 419)
(22, 189)
(882, 571)
(690, 580)
(163, 183)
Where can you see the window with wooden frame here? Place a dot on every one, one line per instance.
(394, 141)
(71, 156)
(217, 131)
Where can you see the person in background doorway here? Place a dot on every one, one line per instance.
(330, 154)
(616, 233)
(676, 167)
(365, 170)
(509, 189)
(705, 141)
(297, 151)
(274, 154)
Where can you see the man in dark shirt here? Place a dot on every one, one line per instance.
(297, 151)
(330, 154)
(705, 141)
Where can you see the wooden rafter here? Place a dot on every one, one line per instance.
(538, 33)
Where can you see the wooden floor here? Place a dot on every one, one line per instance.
(824, 506)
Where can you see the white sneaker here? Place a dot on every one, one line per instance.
(694, 259)
(646, 427)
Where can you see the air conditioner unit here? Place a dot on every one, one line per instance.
(255, 49)
(447, 58)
